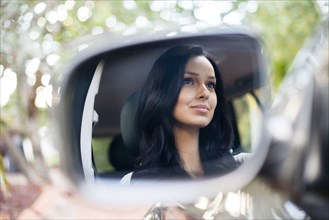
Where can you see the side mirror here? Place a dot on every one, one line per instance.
(98, 82)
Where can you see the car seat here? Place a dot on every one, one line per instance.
(127, 123)
(124, 149)
(119, 157)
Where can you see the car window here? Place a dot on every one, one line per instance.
(100, 147)
(248, 116)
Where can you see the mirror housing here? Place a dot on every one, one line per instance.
(96, 77)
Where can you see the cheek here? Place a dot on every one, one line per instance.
(184, 98)
(213, 103)
(213, 100)
(186, 95)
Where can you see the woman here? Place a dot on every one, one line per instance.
(182, 117)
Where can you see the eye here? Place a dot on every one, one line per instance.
(211, 85)
(188, 81)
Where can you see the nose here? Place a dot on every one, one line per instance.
(203, 92)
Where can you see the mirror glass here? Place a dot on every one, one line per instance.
(100, 123)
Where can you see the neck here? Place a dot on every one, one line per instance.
(187, 143)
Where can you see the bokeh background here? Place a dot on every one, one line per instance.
(34, 32)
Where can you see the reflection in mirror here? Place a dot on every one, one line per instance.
(183, 104)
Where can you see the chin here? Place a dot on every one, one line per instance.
(202, 124)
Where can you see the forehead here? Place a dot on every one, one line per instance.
(200, 65)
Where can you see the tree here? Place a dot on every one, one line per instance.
(284, 26)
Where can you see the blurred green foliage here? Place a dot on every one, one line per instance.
(101, 152)
(284, 26)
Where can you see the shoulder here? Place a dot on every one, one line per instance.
(126, 179)
(220, 166)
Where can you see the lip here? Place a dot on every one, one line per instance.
(202, 108)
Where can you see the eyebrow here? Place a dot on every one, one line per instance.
(197, 74)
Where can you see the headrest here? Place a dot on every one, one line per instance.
(118, 155)
(127, 123)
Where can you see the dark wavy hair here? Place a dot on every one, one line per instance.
(155, 120)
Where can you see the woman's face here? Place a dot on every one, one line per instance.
(197, 99)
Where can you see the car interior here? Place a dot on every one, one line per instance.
(104, 103)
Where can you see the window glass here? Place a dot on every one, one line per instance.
(248, 117)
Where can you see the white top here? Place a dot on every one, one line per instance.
(126, 179)
(241, 157)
